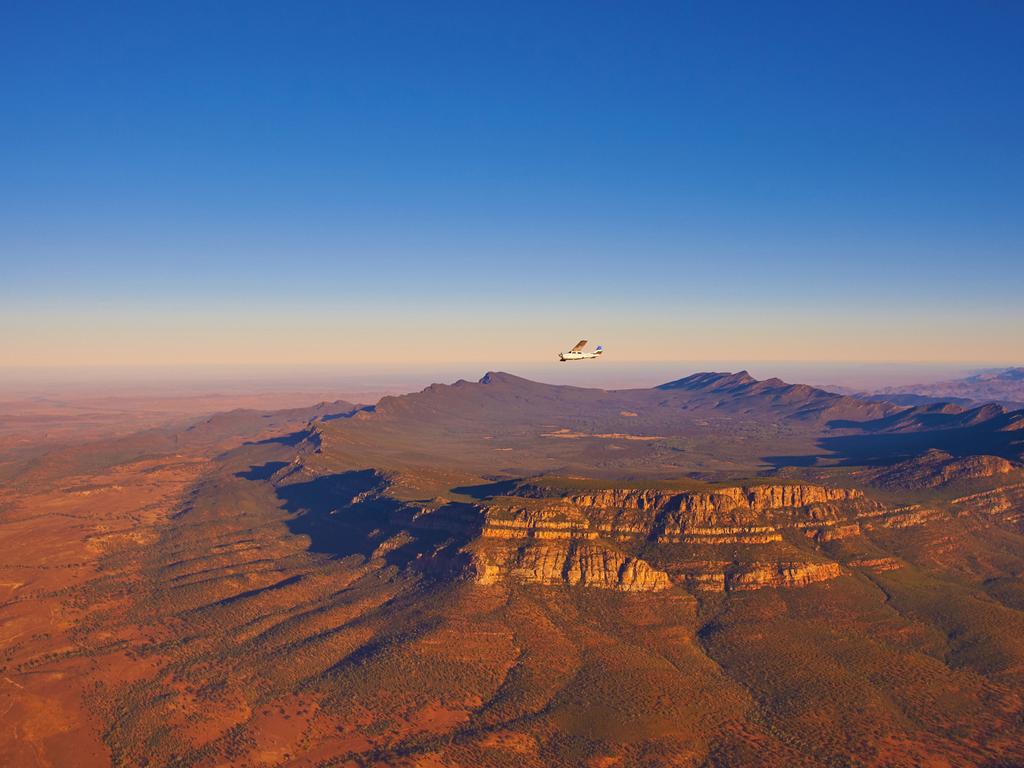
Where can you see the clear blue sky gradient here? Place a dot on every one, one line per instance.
(638, 165)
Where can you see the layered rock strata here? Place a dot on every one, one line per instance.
(584, 564)
(1006, 502)
(584, 538)
(728, 515)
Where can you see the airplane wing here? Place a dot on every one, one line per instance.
(579, 346)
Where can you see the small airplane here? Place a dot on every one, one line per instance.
(577, 353)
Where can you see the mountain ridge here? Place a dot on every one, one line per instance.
(709, 422)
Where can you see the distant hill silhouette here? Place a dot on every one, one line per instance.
(1004, 386)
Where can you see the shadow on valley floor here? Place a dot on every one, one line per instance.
(349, 414)
(486, 490)
(260, 591)
(290, 440)
(262, 471)
(885, 449)
(348, 514)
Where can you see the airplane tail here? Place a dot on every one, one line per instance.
(599, 350)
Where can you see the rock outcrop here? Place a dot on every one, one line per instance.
(754, 498)
(836, 532)
(585, 538)
(936, 469)
(758, 575)
(1006, 502)
(584, 564)
(877, 564)
(721, 539)
(898, 517)
(731, 514)
(737, 577)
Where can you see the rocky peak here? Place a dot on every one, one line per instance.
(500, 377)
(711, 381)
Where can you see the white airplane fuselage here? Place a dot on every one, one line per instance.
(567, 356)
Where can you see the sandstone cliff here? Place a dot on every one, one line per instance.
(578, 538)
(587, 565)
(724, 539)
(758, 575)
(736, 514)
(756, 498)
(730, 577)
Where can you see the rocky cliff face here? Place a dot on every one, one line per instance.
(723, 539)
(755, 498)
(729, 538)
(727, 515)
(595, 538)
(795, 574)
(569, 563)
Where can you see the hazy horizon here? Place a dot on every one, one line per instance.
(186, 381)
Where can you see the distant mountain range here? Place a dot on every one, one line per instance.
(1004, 386)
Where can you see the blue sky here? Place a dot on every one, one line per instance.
(316, 182)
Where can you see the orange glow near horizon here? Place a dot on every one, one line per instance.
(132, 338)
